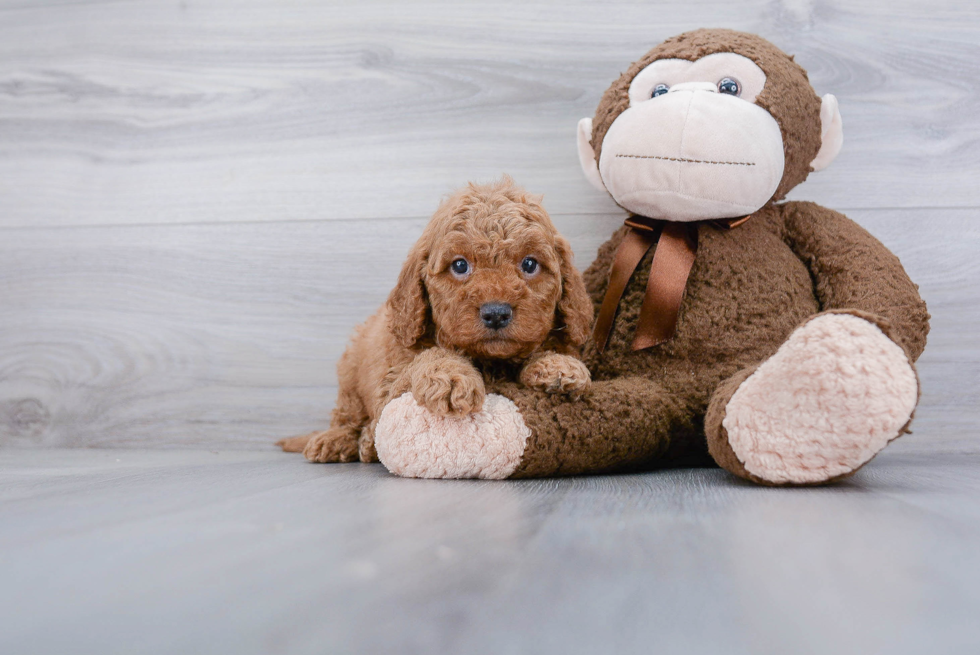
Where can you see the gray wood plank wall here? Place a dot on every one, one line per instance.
(198, 201)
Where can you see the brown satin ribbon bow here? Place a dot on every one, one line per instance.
(677, 244)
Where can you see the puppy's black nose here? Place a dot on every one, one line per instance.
(496, 315)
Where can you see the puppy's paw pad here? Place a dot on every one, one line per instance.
(556, 373)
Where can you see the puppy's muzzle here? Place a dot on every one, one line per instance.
(496, 315)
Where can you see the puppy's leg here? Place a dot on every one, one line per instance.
(333, 445)
(556, 373)
(339, 443)
(445, 383)
(365, 444)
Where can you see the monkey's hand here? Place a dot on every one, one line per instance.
(556, 373)
(446, 384)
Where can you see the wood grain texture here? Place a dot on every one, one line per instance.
(198, 202)
(163, 112)
(193, 552)
(179, 335)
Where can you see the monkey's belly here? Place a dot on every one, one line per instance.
(746, 293)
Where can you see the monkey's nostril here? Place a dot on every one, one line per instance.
(496, 315)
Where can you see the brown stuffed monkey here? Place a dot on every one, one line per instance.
(777, 337)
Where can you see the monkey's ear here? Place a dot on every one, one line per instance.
(408, 303)
(586, 155)
(831, 133)
(575, 307)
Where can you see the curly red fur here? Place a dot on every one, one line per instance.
(427, 336)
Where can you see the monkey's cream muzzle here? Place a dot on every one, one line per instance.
(692, 154)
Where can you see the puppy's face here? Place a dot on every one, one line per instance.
(492, 278)
(494, 281)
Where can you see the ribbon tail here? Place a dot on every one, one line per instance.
(628, 256)
(671, 266)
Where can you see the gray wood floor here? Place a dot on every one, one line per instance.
(138, 551)
(198, 201)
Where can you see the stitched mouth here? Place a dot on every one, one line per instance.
(690, 161)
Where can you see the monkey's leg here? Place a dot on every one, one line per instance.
(530, 433)
(834, 394)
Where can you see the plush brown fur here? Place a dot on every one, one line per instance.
(750, 287)
(429, 338)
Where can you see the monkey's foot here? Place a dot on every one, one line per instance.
(827, 402)
(415, 443)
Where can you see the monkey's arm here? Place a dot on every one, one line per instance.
(852, 271)
(619, 424)
(524, 432)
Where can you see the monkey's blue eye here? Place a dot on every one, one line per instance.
(729, 86)
(659, 90)
(460, 267)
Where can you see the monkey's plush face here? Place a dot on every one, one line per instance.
(685, 139)
(692, 144)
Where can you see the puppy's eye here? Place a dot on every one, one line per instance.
(460, 267)
(729, 86)
(659, 90)
(529, 265)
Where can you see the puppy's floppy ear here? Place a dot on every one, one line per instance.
(408, 302)
(575, 307)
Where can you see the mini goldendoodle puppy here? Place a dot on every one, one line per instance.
(488, 291)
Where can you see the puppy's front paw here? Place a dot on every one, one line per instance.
(556, 373)
(449, 388)
(335, 445)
